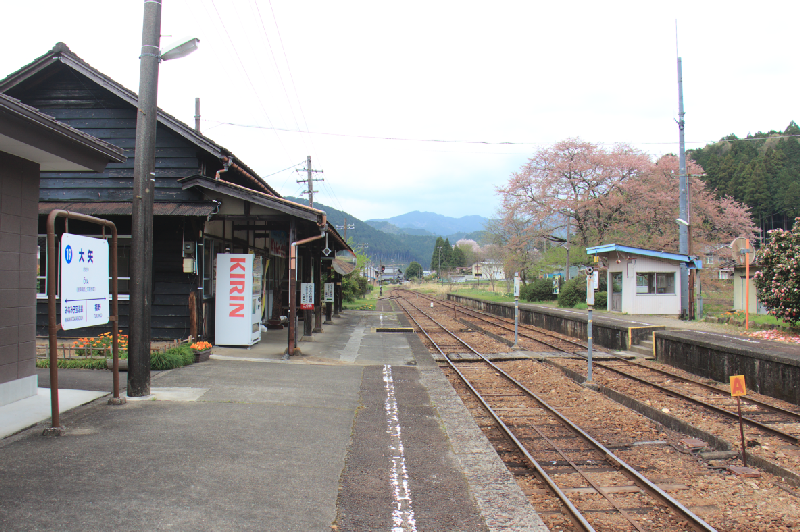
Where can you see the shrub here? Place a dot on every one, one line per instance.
(172, 358)
(600, 300)
(573, 292)
(538, 290)
(778, 282)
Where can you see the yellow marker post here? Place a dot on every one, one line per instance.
(738, 389)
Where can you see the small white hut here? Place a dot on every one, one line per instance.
(643, 281)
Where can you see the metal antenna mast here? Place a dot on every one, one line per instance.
(310, 180)
(684, 191)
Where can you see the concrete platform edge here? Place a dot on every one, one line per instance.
(494, 489)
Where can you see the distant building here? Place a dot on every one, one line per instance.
(489, 270)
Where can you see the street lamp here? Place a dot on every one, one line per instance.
(143, 194)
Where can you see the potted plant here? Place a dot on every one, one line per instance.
(202, 350)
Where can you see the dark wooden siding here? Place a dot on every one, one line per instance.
(77, 101)
(170, 309)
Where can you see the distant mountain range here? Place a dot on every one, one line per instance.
(385, 242)
(430, 223)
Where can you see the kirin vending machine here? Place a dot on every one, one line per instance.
(238, 303)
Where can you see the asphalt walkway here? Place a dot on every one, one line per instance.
(359, 431)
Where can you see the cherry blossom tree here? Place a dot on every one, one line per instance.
(778, 282)
(645, 210)
(564, 190)
(581, 193)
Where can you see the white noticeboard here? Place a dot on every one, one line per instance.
(516, 286)
(328, 292)
(307, 296)
(234, 300)
(84, 281)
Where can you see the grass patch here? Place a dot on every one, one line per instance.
(486, 295)
(74, 363)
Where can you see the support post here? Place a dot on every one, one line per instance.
(516, 311)
(292, 288)
(142, 215)
(318, 291)
(308, 315)
(683, 243)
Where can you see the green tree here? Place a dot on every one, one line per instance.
(458, 257)
(414, 270)
(778, 282)
(438, 250)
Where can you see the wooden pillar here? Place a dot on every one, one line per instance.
(337, 295)
(308, 315)
(292, 286)
(317, 289)
(329, 306)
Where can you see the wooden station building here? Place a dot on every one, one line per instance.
(206, 202)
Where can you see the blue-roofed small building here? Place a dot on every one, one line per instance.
(643, 281)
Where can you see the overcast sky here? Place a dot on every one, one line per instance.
(280, 80)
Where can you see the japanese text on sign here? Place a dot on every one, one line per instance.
(84, 281)
(307, 296)
(328, 292)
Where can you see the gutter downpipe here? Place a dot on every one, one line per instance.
(293, 283)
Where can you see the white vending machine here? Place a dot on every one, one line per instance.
(237, 305)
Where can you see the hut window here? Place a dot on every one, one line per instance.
(655, 283)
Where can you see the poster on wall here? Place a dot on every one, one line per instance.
(278, 244)
(328, 292)
(307, 296)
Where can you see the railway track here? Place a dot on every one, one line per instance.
(594, 487)
(774, 425)
(538, 335)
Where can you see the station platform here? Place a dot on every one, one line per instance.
(359, 431)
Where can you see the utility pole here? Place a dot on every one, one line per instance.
(683, 244)
(142, 214)
(345, 227)
(310, 180)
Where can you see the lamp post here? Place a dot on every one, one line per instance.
(143, 194)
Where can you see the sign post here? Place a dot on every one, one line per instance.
(590, 304)
(516, 310)
(737, 390)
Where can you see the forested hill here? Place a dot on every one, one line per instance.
(761, 171)
(399, 248)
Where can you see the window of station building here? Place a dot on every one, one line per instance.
(123, 266)
(210, 249)
(655, 283)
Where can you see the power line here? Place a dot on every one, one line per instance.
(482, 142)
(275, 62)
(291, 77)
(250, 81)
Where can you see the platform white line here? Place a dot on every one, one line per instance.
(403, 513)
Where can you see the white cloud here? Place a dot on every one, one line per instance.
(506, 71)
